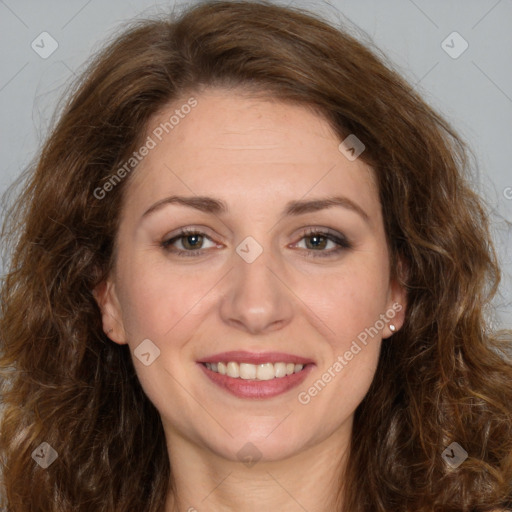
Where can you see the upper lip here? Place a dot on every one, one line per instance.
(241, 356)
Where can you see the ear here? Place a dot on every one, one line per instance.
(397, 301)
(106, 297)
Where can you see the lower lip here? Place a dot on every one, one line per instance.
(257, 389)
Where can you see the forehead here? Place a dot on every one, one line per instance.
(245, 148)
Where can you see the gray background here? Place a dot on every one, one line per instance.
(473, 91)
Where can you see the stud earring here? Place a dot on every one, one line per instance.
(392, 327)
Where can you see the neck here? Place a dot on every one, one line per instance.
(309, 480)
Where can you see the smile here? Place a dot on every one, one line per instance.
(247, 371)
(256, 381)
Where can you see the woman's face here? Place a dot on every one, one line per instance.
(272, 275)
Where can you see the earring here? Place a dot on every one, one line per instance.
(392, 327)
(109, 331)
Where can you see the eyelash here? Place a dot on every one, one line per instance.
(341, 241)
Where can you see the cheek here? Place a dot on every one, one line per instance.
(348, 301)
(349, 306)
(158, 297)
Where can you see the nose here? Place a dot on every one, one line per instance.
(258, 299)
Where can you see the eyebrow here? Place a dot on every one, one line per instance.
(292, 208)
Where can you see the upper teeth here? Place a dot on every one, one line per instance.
(265, 371)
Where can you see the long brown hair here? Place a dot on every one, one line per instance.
(440, 379)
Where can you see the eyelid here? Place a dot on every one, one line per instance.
(188, 230)
(312, 230)
(342, 242)
(168, 240)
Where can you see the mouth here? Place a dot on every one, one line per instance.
(248, 371)
(256, 376)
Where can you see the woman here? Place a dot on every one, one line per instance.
(248, 272)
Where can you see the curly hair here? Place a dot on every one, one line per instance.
(442, 378)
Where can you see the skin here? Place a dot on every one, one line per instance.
(256, 155)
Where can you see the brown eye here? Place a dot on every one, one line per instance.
(317, 242)
(191, 241)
